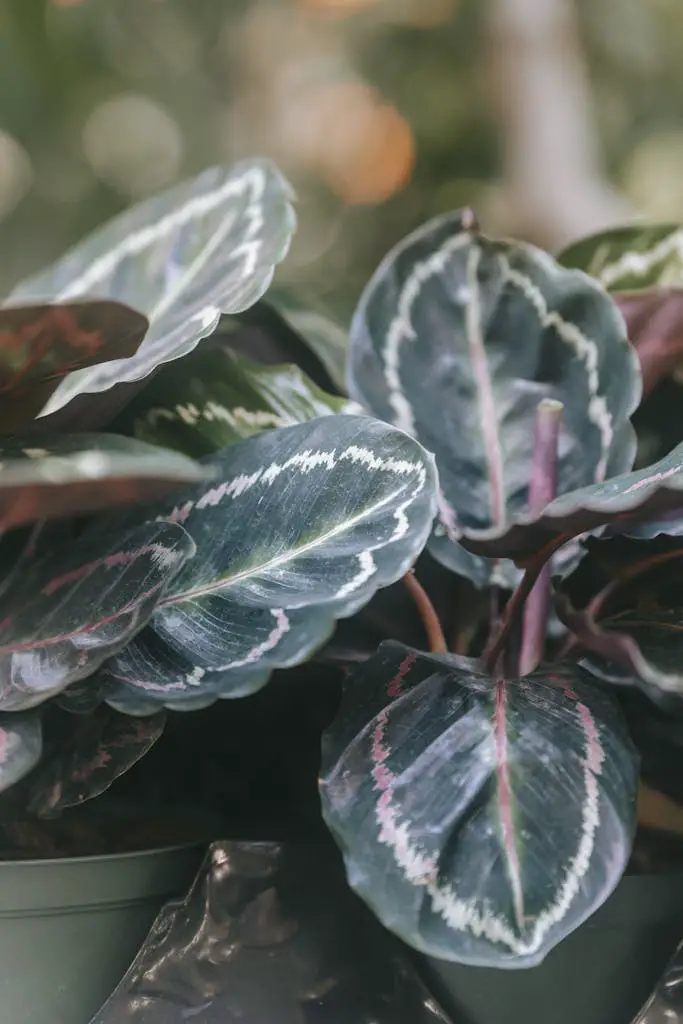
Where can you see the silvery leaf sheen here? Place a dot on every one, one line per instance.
(457, 338)
(206, 247)
(482, 820)
(299, 528)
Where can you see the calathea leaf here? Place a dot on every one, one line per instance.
(39, 345)
(21, 744)
(43, 479)
(202, 248)
(101, 749)
(643, 267)
(632, 257)
(214, 397)
(631, 613)
(640, 504)
(301, 526)
(483, 821)
(64, 615)
(457, 339)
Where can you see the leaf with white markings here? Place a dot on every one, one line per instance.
(214, 397)
(83, 473)
(64, 615)
(457, 339)
(642, 503)
(204, 247)
(483, 821)
(21, 744)
(301, 527)
(89, 760)
(643, 267)
(630, 258)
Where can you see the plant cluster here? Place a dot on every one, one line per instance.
(178, 521)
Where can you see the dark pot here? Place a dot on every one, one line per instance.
(602, 974)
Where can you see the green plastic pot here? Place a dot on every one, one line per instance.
(601, 974)
(70, 928)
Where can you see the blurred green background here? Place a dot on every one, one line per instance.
(552, 118)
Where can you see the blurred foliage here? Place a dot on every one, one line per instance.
(382, 112)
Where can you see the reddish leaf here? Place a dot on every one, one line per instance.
(40, 345)
(654, 320)
(103, 748)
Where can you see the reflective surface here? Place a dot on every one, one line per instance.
(270, 934)
(666, 1005)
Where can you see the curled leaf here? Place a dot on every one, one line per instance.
(482, 821)
(457, 339)
(204, 247)
(637, 502)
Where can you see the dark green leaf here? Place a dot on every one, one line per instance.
(482, 821)
(21, 744)
(636, 503)
(629, 258)
(325, 334)
(103, 747)
(301, 527)
(39, 345)
(631, 613)
(457, 339)
(202, 248)
(213, 398)
(64, 615)
(42, 479)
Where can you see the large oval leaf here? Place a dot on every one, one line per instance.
(301, 527)
(205, 247)
(83, 473)
(214, 397)
(457, 339)
(39, 345)
(482, 821)
(21, 744)
(63, 616)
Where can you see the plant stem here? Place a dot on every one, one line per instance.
(542, 490)
(430, 620)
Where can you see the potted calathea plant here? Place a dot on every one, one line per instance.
(179, 521)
